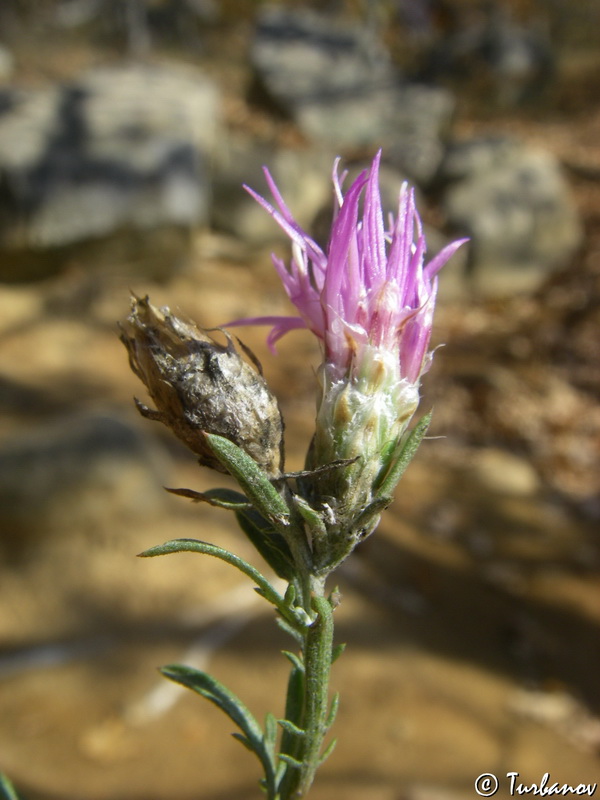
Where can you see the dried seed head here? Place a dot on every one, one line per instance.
(200, 386)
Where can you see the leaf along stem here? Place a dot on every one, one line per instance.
(265, 589)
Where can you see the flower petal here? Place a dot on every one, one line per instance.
(281, 326)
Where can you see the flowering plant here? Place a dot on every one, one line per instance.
(370, 300)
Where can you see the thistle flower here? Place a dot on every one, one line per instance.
(370, 300)
(200, 386)
(371, 289)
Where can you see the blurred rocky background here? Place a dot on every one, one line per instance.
(126, 130)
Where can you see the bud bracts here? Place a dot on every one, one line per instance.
(200, 386)
(361, 419)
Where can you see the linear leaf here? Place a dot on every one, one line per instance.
(270, 544)
(337, 651)
(243, 740)
(270, 733)
(7, 790)
(313, 519)
(210, 688)
(291, 743)
(404, 455)
(290, 629)
(253, 480)
(333, 709)
(291, 761)
(328, 751)
(367, 520)
(294, 660)
(289, 727)
(196, 546)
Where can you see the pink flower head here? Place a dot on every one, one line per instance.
(371, 289)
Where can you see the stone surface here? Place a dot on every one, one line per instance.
(303, 178)
(514, 203)
(486, 52)
(337, 82)
(119, 148)
(417, 123)
(303, 57)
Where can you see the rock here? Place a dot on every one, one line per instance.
(303, 57)
(489, 55)
(514, 203)
(303, 178)
(337, 82)
(77, 474)
(417, 124)
(120, 149)
(410, 122)
(143, 22)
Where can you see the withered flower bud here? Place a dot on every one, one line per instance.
(200, 386)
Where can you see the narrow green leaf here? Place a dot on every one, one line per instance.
(333, 709)
(213, 690)
(270, 544)
(295, 660)
(312, 518)
(291, 761)
(290, 595)
(246, 742)
(328, 751)
(337, 651)
(367, 520)
(295, 698)
(252, 479)
(7, 790)
(294, 706)
(270, 732)
(290, 629)
(405, 454)
(210, 688)
(289, 727)
(196, 546)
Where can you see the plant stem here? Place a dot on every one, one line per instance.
(307, 704)
(317, 663)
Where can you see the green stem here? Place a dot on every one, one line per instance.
(312, 722)
(317, 664)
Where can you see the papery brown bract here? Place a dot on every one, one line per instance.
(200, 386)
